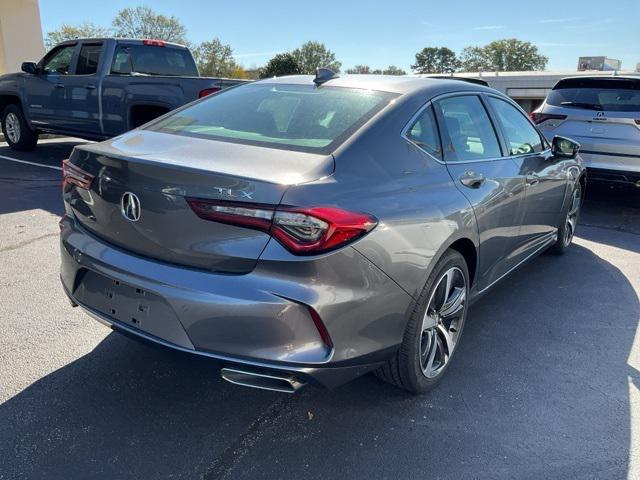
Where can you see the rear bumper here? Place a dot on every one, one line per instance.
(258, 320)
(613, 176)
(611, 166)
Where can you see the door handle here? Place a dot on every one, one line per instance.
(90, 87)
(59, 85)
(472, 179)
(532, 178)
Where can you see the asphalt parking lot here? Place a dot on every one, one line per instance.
(545, 384)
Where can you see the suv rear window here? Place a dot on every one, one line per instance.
(615, 95)
(153, 60)
(292, 117)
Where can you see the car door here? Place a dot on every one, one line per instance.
(46, 91)
(488, 178)
(82, 92)
(544, 176)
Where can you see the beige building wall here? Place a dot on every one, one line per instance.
(20, 34)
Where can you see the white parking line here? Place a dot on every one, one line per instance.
(29, 163)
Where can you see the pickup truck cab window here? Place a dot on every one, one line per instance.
(89, 59)
(59, 60)
(153, 60)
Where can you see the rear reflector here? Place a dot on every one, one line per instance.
(208, 91)
(74, 175)
(154, 43)
(303, 231)
(543, 117)
(322, 329)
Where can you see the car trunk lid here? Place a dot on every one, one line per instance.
(161, 171)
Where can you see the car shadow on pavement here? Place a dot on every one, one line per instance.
(29, 187)
(539, 389)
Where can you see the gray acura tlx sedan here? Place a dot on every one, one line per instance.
(311, 229)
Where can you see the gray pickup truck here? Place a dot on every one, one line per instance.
(99, 88)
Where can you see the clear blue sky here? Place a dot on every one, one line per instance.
(379, 34)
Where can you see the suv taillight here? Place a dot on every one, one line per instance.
(74, 175)
(538, 117)
(303, 231)
(208, 91)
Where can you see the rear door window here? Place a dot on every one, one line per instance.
(424, 133)
(521, 136)
(153, 60)
(614, 95)
(89, 59)
(469, 127)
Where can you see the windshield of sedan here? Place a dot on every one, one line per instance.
(294, 117)
(620, 95)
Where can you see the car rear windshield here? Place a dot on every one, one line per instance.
(292, 117)
(619, 95)
(153, 60)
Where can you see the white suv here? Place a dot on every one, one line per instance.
(603, 115)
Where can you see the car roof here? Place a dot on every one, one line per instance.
(118, 40)
(402, 84)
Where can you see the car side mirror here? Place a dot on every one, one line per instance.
(29, 67)
(562, 147)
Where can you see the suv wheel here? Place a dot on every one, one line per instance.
(434, 330)
(16, 130)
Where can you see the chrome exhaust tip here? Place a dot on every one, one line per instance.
(263, 381)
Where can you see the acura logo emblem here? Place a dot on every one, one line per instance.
(130, 206)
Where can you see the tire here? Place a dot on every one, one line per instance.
(17, 132)
(570, 217)
(425, 337)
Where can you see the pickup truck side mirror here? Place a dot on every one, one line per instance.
(562, 147)
(29, 67)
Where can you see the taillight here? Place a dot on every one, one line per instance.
(538, 117)
(303, 231)
(74, 175)
(208, 91)
(154, 43)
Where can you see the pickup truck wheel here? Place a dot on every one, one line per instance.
(16, 130)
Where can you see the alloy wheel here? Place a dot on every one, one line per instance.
(12, 127)
(442, 322)
(572, 216)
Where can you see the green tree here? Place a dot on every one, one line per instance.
(506, 55)
(142, 22)
(436, 60)
(511, 55)
(474, 59)
(393, 70)
(280, 65)
(313, 55)
(70, 32)
(363, 69)
(215, 59)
